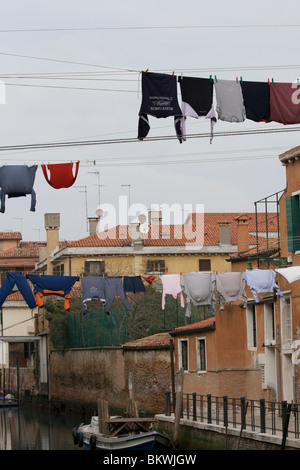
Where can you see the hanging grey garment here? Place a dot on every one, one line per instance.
(200, 290)
(16, 181)
(113, 286)
(230, 287)
(262, 280)
(93, 288)
(230, 103)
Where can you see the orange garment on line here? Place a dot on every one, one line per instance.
(40, 302)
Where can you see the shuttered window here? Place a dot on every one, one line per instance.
(293, 222)
(94, 267)
(156, 266)
(204, 264)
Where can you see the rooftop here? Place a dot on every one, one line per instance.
(181, 235)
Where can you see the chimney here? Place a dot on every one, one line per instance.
(93, 222)
(224, 230)
(155, 217)
(242, 232)
(136, 236)
(52, 224)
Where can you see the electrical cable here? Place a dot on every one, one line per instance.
(148, 139)
(133, 28)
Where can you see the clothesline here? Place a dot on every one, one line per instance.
(200, 288)
(236, 100)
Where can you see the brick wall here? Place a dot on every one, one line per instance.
(86, 375)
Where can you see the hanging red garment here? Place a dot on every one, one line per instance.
(61, 174)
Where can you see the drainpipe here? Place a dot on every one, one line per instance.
(278, 366)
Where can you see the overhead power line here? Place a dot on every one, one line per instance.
(61, 144)
(139, 28)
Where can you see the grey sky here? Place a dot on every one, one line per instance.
(227, 175)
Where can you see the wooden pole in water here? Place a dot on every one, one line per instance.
(179, 395)
(103, 413)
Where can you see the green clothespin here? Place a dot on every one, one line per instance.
(216, 78)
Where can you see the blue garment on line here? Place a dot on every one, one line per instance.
(17, 181)
(20, 280)
(133, 284)
(159, 99)
(51, 284)
(113, 286)
(262, 280)
(93, 288)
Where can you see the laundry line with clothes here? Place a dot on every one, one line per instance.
(203, 288)
(208, 288)
(235, 101)
(18, 180)
(103, 289)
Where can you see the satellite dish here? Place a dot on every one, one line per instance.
(142, 218)
(99, 212)
(144, 228)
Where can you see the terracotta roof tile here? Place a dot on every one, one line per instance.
(10, 235)
(26, 249)
(180, 235)
(208, 322)
(159, 340)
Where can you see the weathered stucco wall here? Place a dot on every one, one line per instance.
(151, 370)
(89, 374)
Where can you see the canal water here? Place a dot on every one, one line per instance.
(36, 429)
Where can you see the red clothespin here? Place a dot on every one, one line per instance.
(173, 74)
(237, 80)
(268, 81)
(146, 70)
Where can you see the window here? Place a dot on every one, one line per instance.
(251, 326)
(59, 270)
(269, 323)
(286, 322)
(156, 266)
(183, 354)
(204, 264)
(94, 267)
(293, 222)
(201, 354)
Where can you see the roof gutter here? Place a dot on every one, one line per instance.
(193, 330)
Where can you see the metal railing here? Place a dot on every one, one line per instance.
(260, 416)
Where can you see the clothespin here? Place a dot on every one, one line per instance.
(173, 73)
(210, 77)
(146, 71)
(241, 79)
(237, 80)
(216, 78)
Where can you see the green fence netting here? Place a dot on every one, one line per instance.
(96, 328)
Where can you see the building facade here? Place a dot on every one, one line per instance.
(253, 351)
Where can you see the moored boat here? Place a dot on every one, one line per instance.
(123, 434)
(7, 400)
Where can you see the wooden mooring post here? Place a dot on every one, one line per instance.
(103, 414)
(178, 406)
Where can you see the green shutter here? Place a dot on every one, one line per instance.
(293, 223)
